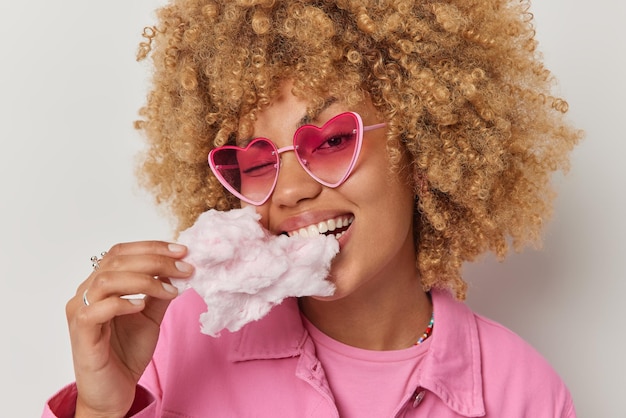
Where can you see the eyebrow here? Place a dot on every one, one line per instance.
(305, 120)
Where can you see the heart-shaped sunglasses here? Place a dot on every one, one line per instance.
(328, 154)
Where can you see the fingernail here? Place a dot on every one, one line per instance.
(136, 301)
(184, 267)
(176, 248)
(170, 288)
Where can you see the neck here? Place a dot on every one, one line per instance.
(392, 318)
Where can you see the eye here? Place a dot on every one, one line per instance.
(258, 169)
(257, 160)
(336, 142)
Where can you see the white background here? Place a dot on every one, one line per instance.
(70, 89)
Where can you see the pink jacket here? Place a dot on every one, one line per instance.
(474, 368)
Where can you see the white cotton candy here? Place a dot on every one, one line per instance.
(242, 270)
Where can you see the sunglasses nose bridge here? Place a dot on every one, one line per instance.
(281, 151)
(302, 161)
(285, 149)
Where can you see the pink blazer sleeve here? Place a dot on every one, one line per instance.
(63, 404)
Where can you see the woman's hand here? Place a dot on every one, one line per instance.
(113, 338)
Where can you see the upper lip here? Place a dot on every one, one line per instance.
(303, 220)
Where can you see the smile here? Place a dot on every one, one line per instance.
(336, 226)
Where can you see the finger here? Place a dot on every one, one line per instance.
(88, 321)
(121, 284)
(152, 264)
(155, 308)
(104, 310)
(148, 247)
(90, 318)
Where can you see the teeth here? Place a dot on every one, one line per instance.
(323, 227)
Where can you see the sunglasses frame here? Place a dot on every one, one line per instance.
(360, 128)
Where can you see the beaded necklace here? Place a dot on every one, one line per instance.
(428, 331)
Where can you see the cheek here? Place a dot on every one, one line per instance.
(390, 197)
(379, 184)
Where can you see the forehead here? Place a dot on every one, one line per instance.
(291, 108)
(277, 125)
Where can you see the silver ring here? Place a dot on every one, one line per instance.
(95, 260)
(85, 300)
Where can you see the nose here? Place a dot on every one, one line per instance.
(293, 184)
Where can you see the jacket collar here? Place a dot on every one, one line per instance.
(280, 334)
(451, 369)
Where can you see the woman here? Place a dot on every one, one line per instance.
(459, 136)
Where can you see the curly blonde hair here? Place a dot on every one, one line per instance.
(460, 83)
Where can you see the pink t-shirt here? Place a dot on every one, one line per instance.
(366, 383)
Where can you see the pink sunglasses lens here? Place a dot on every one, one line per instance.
(329, 153)
(249, 173)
